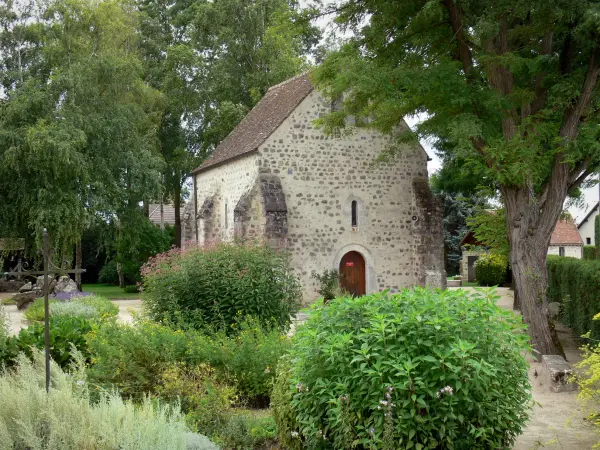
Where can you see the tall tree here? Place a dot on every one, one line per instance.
(77, 125)
(512, 85)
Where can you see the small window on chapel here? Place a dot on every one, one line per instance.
(354, 213)
(588, 241)
(561, 251)
(226, 216)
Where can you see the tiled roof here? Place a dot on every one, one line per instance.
(566, 233)
(262, 121)
(168, 214)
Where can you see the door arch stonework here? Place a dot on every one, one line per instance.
(370, 273)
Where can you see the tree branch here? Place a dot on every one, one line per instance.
(573, 114)
(464, 51)
(540, 91)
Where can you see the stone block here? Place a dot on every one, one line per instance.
(23, 299)
(454, 283)
(26, 287)
(558, 373)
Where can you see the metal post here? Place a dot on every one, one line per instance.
(46, 310)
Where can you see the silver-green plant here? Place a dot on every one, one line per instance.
(64, 419)
(73, 309)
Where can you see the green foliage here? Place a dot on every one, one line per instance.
(220, 286)
(77, 124)
(67, 334)
(430, 368)
(490, 269)
(66, 419)
(131, 289)
(457, 210)
(90, 307)
(247, 432)
(330, 282)
(203, 398)
(490, 230)
(597, 235)
(133, 358)
(575, 284)
(589, 252)
(588, 380)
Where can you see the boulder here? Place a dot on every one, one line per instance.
(554, 310)
(558, 373)
(65, 284)
(26, 287)
(23, 299)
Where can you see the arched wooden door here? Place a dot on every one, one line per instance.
(352, 270)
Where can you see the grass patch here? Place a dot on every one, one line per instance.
(470, 284)
(7, 301)
(109, 292)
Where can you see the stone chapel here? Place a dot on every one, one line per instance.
(324, 198)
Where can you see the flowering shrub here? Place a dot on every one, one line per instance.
(219, 286)
(420, 369)
(330, 284)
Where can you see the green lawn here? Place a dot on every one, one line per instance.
(110, 292)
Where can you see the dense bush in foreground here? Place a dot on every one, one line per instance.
(420, 369)
(64, 419)
(218, 286)
(575, 284)
(134, 358)
(491, 269)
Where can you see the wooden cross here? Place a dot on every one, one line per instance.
(49, 269)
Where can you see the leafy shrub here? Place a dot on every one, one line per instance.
(329, 283)
(89, 306)
(589, 252)
(220, 286)
(429, 369)
(588, 379)
(575, 284)
(131, 289)
(132, 358)
(205, 400)
(247, 432)
(65, 419)
(490, 269)
(66, 335)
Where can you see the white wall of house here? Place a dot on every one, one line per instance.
(574, 251)
(586, 230)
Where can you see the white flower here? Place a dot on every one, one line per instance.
(295, 434)
(80, 382)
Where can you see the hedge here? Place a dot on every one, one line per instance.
(589, 252)
(575, 284)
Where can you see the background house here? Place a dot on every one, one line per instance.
(566, 240)
(586, 226)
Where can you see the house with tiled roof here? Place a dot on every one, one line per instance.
(324, 198)
(566, 240)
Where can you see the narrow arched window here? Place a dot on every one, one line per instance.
(226, 216)
(354, 213)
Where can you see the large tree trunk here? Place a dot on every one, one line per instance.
(177, 206)
(529, 232)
